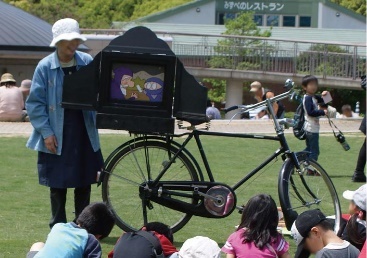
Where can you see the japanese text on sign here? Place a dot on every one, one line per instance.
(256, 6)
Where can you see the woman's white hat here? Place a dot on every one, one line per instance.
(66, 29)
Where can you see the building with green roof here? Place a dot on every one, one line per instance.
(276, 13)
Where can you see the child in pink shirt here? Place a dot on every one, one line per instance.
(257, 235)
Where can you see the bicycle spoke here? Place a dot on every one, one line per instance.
(131, 168)
(138, 166)
(124, 178)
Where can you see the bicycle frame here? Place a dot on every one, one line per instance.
(284, 149)
(202, 195)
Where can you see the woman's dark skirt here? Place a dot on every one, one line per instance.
(78, 164)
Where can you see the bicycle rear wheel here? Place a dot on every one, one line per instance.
(312, 188)
(130, 169)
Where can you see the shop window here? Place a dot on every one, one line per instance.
(225, 16)
(220, 20)
(305, 21)
(272, 20)
(289, 21)
(258, 19)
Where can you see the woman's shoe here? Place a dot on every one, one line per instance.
(359, 178)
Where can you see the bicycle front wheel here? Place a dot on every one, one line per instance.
(135, 165)
(310, 188)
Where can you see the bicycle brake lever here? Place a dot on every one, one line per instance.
(240, 112)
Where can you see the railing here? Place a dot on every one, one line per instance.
(326, 59)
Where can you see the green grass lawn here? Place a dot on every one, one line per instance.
(25, 207)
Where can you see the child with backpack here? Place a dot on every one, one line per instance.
(80, 239)
(257, 234)
(312, 114)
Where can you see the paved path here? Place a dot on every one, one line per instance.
(235, 126)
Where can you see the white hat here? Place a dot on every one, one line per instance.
(199, 247)
(255, 86)
(358, 196)
(66, 29)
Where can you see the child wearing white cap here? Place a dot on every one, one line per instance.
(355, 230)
(199, 247)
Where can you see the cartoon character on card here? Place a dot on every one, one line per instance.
(122, 79)
(153, 88)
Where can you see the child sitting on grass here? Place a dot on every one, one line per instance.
(355, 230)
(133, 245)
(80, 239)
(314, 234)
(257, 234)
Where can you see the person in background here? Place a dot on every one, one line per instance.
(257, 234)
(211, 111)
(311, 102)
(314, 234)
(263, 94)
(25, 87)
(358, 175)
(11, 100)
(331, 111)
(347, 112)
(67, 140)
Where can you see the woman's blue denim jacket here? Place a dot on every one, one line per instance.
(44, 104)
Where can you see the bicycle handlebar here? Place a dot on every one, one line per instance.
(226, 110)
(263, 103)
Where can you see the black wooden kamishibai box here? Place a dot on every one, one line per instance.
(137, 84)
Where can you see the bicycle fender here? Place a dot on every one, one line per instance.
(157, 138)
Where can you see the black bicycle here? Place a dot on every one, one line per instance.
(155, 178)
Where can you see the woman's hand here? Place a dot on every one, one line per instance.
(51, 143)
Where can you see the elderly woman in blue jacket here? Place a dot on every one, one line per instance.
(67, 140)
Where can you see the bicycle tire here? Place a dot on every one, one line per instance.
(122, 195)
(310, 189)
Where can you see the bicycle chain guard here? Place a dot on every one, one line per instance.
(219, 200)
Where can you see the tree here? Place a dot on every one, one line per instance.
(232, 53)
(359, 6)
(94, 14)
(148, 7)
(216, 89)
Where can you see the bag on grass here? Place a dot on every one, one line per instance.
(299, 123)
